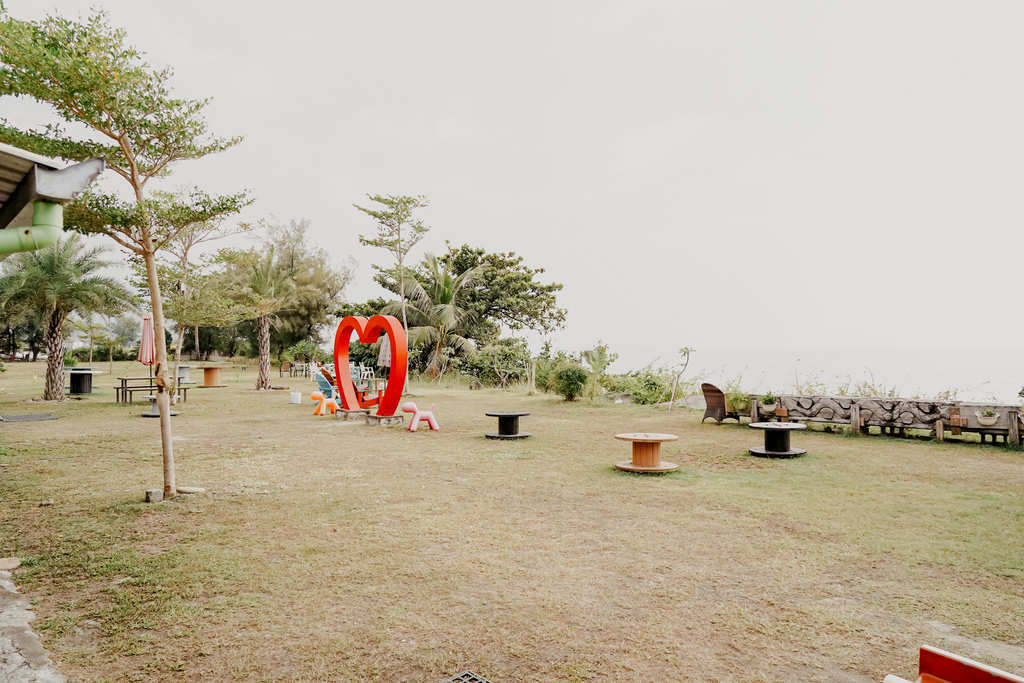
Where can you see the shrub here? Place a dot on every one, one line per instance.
(502, 363)
(644, 386)
(570, 378)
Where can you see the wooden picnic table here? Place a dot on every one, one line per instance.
(129, 385)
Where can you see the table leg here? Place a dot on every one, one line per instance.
(776, 441)
(508, 425)
(647, 454)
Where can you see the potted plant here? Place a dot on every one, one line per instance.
(737, 402)
(987, 416)
(768, 402)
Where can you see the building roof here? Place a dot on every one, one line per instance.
(26, 177)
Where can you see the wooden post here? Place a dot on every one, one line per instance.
(940, 431)
(1014, 428)
(855, 418)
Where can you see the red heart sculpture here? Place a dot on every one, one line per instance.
(369, 332)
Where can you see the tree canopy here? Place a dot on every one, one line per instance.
(506, 292)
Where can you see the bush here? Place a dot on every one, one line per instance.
(570, 378)
(502, 363)
(645, 386)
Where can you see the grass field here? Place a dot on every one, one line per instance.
(332, 551)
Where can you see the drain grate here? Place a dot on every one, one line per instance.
(466, 677)
(27, 418)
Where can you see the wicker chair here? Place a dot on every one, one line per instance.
(716, 407)
(285, 367)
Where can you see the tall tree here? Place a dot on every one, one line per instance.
(398, 232)
(507, 293)
(439, 320)
(264, 286)
(87, 73)
(319, 284)
(58, 281)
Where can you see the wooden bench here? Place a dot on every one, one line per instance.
(125, 394)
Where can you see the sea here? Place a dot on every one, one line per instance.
(966, 374)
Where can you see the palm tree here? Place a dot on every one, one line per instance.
(56, 282)
(436, 317)
(266, 288)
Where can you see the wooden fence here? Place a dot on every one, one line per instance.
(895, 415)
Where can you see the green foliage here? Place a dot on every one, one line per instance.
(319, 285)
(437, 318)
(768, 399)
(54, 283)
(570, 378)
(502, 363)
(367, 309)
(397, 231)
(506, 292)
(307, 351)
(598, 359)
(645, 387)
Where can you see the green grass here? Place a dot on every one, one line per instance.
(339, 552)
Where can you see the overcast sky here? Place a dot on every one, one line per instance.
(698, 174)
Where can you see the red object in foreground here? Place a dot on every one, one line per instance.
(939, 666)
(369, 331)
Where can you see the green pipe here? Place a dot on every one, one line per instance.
(47, 225)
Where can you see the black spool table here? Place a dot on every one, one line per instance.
(508, 424)
(776, 439)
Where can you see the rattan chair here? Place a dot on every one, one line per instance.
(716, 406)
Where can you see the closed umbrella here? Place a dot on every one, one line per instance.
(147, 345)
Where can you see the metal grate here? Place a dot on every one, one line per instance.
(27, 418)
(466, 677)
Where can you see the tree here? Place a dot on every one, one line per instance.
(439, 320)
(265, 286)
(598, 359)
(56, 282)
(390, 223)
(196, 295)
(319, 284)
(506, 293)
(89, 76)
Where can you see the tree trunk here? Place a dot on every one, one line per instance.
(54, 388)
(163, 396)
(263, 341)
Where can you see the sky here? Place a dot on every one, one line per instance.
(695, 173)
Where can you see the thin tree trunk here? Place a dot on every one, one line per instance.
(163, 396)
(263, 342)
(54, 388)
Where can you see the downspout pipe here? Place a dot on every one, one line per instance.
(47, 190)
(47, 225)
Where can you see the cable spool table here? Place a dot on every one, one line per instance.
(646, 453)
(776, 439)
(508, 424)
